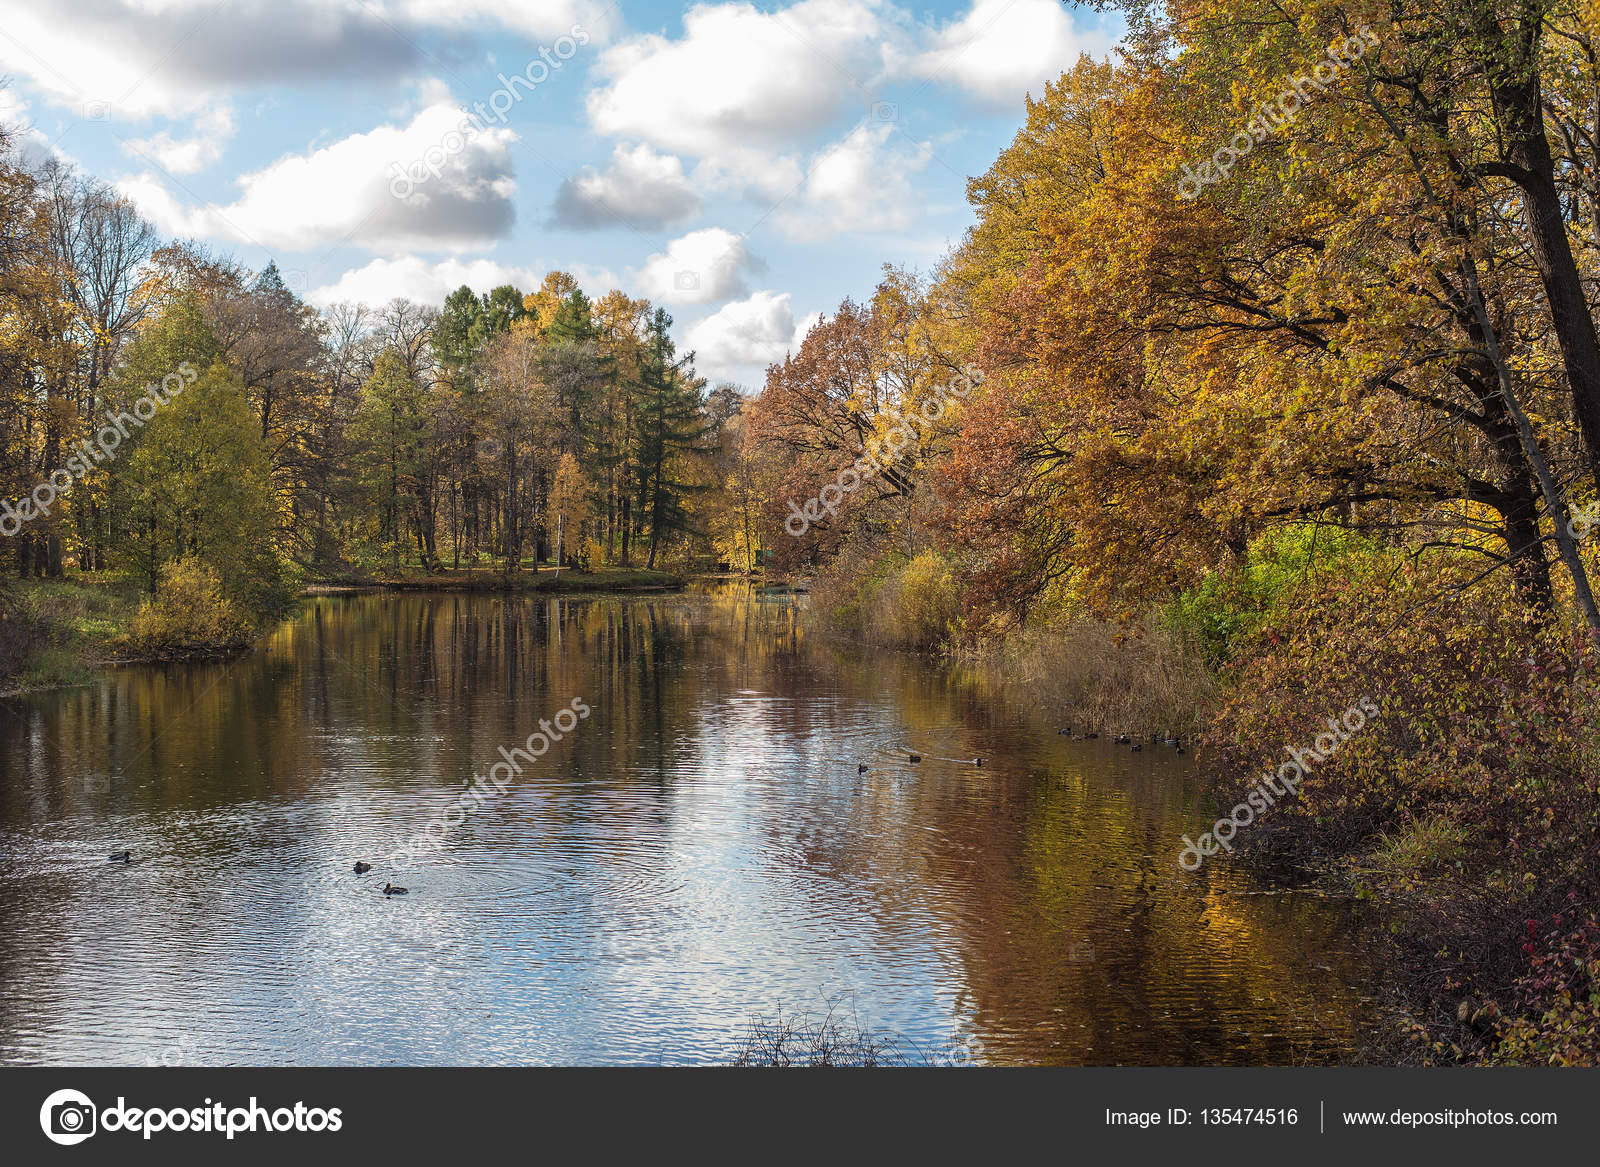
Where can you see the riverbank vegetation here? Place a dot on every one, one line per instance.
(1285, 328)
(58, 632)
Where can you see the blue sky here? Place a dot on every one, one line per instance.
(746, 166)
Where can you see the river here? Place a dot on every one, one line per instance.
(698, 852)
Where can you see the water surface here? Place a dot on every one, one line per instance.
(700, 851)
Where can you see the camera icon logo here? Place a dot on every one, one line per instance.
(68, 1117)
(886, 111)
(97, 111)
(686, 281)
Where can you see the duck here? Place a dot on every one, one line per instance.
(1171, 741)
(1137, 747)
(1091, 736)
(1122, 739)
(362, 868)
(121, 857)
(977, 761)
(390, 889)
(916, 757)
(861, 768)
(1179, 750)
(1065, 731)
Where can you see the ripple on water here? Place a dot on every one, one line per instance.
(700, 852)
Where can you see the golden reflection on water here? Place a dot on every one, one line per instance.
(698, 852)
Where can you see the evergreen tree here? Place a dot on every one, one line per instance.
(671, 427)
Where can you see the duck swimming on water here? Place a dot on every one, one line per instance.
(362, 868)
(389, 889)
(122, 857)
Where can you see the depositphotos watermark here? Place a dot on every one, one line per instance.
(538, 69)
(1271, 116)
(880, 452)
(103, 448)
(68, 1117)
(1583, 520)
(1261, 796)
(481, 789)
(180, 1053)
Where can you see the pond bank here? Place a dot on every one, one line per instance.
(72, 630)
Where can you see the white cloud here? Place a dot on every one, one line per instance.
(429, 283)
(171, 56)
(187, 155)
(754, 174)
(740, 339)
(639, 189)
(414, 278)
(747, 94)
(1002, 49)
(740, 77)
(546, 20)
(346, 192)
(861, 183)
(702, 267)
(33, 147)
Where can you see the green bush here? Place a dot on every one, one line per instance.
(189, 613)
(1230, 606)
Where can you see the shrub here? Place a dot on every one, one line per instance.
(189, 613)
(22, 635)
(1557, 1018)
(1471, 803)
(798, 1040)
(891, 599)
(916, 605)
(1094, 673)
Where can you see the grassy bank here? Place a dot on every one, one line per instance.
(61, 632)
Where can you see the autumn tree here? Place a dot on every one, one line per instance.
(199, 487)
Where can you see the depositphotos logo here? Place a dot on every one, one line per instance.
(69, 1116)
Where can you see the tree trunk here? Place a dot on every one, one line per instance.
(1518, 101)
(1555, 503)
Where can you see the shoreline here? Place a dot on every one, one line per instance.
(621, 581)
(80, 655)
